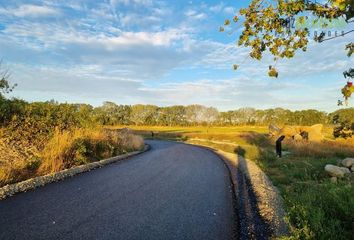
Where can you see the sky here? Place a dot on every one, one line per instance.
(160, 52)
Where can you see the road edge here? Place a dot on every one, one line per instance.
(269, 200)
(32, 183)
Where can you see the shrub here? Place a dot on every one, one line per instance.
(72, 148)
(17, 162)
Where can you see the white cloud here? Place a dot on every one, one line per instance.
(329, 57)
(132, 19)
(54, 35)
(222, 8)
(217, 8)
(84, 80)
(194, 15)
(225, 94)
(143, 55)
(129, 2)
(28, 10)
(163, 38)
(87, 82)
(229, 10)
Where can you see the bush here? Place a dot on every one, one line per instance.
(72, 148)
(64, 149)
(17, 162)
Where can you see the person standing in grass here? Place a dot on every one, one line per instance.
(278, 147)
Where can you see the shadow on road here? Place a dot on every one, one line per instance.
(251, 224)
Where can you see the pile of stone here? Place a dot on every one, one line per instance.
(311, 133)
(346, 169)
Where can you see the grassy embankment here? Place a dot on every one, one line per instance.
(316, 207)
(62, 150)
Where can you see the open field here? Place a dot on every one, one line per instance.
(316, 207)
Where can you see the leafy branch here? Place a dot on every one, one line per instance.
(266, 26)
(5, 86)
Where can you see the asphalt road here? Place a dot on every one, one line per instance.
(173, 191)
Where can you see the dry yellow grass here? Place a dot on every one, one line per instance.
(63, 150)
(250, 137)
(16, 162)
(326, 148)
(67, 149)
(58, 150)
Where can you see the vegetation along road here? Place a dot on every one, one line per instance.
(173, 191)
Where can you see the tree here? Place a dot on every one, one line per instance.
(344, 122)
(7, 107)
(143, 114)
(171, 116)
(267, 26)
(5, 86)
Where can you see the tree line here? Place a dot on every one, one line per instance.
(16, 113)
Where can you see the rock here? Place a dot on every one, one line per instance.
(315, 134)
(335, 171)
(352, 169)
(348, 162)
(345, 170)
(351, 177)
(288, 131)
(273, 129)
(334, 179)
(297, 137)
(312, 133)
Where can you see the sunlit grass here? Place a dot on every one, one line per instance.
(81, 146)
(65, 149)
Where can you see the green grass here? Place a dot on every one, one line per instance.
(316, 208)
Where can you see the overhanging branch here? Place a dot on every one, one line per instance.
(341, 35)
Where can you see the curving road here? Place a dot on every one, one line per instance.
(173, 191)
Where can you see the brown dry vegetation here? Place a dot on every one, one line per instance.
(65, 149)
(328, 148)
(16, 162)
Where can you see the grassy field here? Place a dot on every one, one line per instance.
(316, 207)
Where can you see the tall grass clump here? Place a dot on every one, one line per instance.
(16, 162)
(80, 146)
(326, 148)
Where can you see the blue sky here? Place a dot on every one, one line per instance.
(156, 52)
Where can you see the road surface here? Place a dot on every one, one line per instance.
(173, 191)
